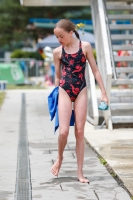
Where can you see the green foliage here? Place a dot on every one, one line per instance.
(14, 19)
(113, 174)
(24, 54)
(94, 53)
(102, 161)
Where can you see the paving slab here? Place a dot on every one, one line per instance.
(116, 147)
(9, 128)
(43, 148)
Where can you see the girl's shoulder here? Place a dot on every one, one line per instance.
(86, 47)
(57, 51)
(85, 44)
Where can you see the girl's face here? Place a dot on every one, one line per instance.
(63, 36)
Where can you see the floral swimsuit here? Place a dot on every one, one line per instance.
(73, 72)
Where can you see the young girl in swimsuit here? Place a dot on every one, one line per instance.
(71, 57)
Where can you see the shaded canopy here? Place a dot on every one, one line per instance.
(52, 41)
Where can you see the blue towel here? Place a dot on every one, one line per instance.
(53, 108)
(53, 102)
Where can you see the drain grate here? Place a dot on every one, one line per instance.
(23, 180)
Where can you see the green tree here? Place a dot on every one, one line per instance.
(14, 19)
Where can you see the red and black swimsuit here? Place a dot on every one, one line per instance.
(73, 72)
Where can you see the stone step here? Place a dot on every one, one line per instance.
(119, 7)
(122, 82)
(122, 94)
(124, 69)
(122, 47)
(121, 37)
(121, 1)
(122, 119)
(121, 106)
(120, 17)
(121, 26)
(123, 58)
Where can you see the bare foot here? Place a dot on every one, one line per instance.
(82, 179)
(56, 167)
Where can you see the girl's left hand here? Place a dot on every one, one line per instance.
(104, 98)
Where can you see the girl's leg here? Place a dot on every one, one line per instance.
(65, 111)
(80, 109)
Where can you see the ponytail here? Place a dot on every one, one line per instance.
(77, 34)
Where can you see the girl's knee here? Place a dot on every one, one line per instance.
(79, 134)
(63, 133)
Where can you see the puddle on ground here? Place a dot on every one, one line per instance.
(120, 157)
(119, 150)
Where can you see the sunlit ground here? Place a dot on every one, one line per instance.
(12, 87)
(2, 96)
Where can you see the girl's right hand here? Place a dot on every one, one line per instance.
(104, 98)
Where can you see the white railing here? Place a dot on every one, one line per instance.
(102, 49)
(92, 116)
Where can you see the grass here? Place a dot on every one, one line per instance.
(102, 160)
(19, 87)
(2, 96)
(113, 174)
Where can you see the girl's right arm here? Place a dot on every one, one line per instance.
(56, 57)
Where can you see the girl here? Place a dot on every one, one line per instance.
(71, 56)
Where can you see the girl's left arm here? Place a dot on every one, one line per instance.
(95, 70)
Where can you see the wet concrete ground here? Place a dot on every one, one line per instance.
(43, 153)
(116, 147)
